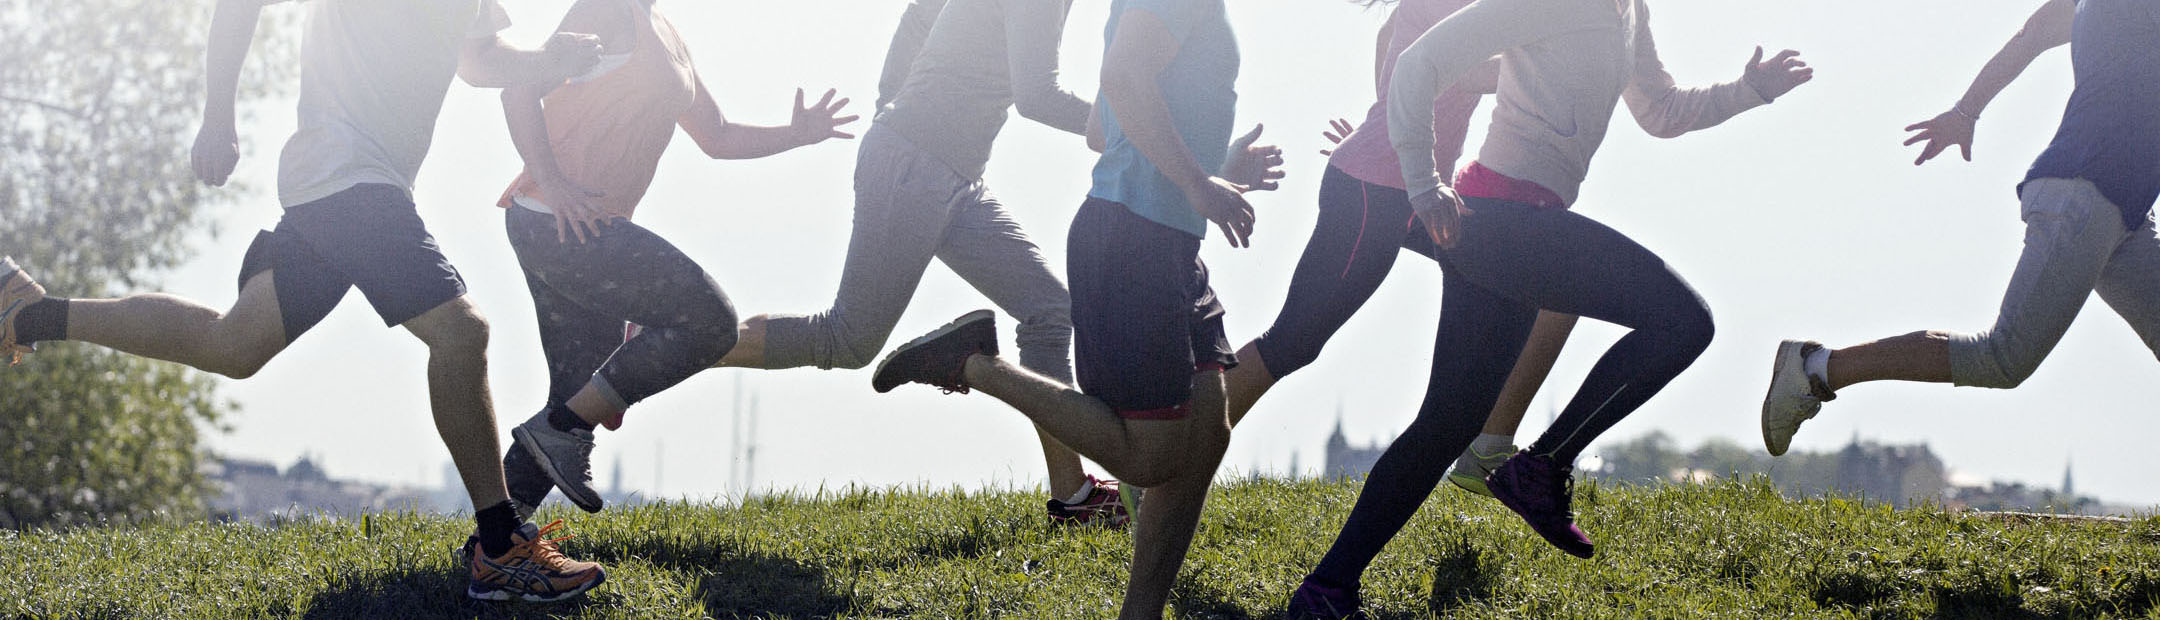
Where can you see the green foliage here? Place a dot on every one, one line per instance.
(98, 105)
(1723, 550)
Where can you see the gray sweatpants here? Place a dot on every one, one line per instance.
(2074, 245)
(909, 208)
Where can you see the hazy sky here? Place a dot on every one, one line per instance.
(1800, 219)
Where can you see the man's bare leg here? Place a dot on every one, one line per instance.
(457, 338)
(1244, 385)
(235, 343)
(1164, 530)
(1922, 356)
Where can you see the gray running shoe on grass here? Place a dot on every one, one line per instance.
(564, 456)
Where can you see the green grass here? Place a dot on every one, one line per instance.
(1733, 550)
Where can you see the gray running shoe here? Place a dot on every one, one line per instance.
(566, 458)
(939, 358)
(1794, 396)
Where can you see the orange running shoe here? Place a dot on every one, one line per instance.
(533, 570)
(17, 291)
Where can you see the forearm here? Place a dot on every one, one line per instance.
(529, 130)
(1032, 37)
(907, 42)
(232, 32)
(1419, 79)
(493, 63)
(736, 141)
(1096, 140)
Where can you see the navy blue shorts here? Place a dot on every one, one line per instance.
(370, 237)
(1144, 319)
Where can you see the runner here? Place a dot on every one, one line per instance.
(1364, 217)
(1509, 247)
(373, 77)
(953, 70)
(591, 148)
(1150, 343)
(2088, 210)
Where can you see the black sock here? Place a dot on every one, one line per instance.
(563, 419)
(496, 524)
(41, 321)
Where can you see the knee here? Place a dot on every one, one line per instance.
(1999, 362)
(244, 351)
(458, 329)
(1693, 329)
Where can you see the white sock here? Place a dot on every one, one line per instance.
(1489, 444)
(1085, 490)
(1817, 365)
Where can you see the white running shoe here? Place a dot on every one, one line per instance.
(1794, 396)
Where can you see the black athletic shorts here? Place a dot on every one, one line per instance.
(369, 236)
(1144, 319)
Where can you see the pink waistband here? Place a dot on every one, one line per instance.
(1477, 181)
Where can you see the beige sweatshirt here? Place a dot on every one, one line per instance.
(1565, 64)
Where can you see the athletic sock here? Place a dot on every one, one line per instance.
(1490, 443)
(496, 524)
(1817, 365)
(41, 321)
(563, 419)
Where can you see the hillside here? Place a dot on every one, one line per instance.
(1723, 550)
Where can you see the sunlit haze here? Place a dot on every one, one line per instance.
(1805, 218)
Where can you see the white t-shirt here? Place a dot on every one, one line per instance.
(373, 75)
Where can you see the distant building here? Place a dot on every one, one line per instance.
(257, 491)
(1349, 461)
(1900, 475)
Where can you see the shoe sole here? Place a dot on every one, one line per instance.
(500, 595)
(876, 377)
(1473, 484)
(1787, 350)
(522, 437)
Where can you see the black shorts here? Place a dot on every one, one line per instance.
(369, 236)
(1144, 319)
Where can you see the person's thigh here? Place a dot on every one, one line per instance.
(985, 246)
(627, 272)
(575, 339)
(1557, 260)
(373, 235)
(2130, 284)
(1353, 247)
(903, 198)
(1133, 311)
(2070, 233)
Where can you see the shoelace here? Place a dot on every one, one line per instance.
(544, 548)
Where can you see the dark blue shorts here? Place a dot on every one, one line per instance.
(370, 237)
(1144, 319)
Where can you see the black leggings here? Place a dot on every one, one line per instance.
(583, 294)
(1513, 260)
(1353, 247)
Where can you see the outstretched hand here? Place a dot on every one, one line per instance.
(1442, 211)
(1258, 168)
(1223, 202)
(1338, 130)
(216, 152)
(1777, 76)
(1949, 128)
(817, 123)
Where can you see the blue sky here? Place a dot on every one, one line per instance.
(1800, 219)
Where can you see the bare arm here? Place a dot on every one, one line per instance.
(217, 143)
(2048, 28)
(1139, 52)
(491, 62)
(1033, 31)
(1096, 141)
(575, 213)
(907, 42)
(721, 138)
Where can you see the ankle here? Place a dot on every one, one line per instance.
(496, 523)
(42, 320)
(561, 418)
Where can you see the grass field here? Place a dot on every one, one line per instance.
(1734, 550)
